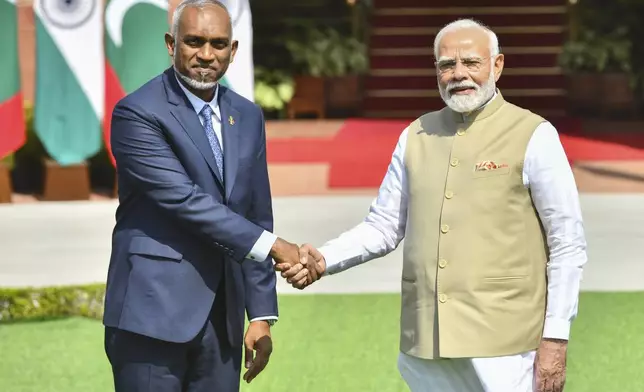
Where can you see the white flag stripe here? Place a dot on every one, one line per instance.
(115, 12)
(82, 48)
(241, 73)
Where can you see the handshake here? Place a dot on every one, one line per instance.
(300, 266)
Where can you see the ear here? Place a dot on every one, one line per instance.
(498, 66)
(233, 50)
(169, 43)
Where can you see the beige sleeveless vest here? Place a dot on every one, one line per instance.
(475, 254)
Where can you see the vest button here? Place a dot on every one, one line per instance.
(460, 132)
(449, 194)
(454, 162)
(444, 228)
(442, 263)
(442, 298)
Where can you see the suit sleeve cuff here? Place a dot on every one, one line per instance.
(262, 247)
(556, 329)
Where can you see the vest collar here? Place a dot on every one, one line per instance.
(479, 114)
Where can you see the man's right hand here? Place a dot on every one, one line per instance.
(288, 257)
(310, 269)
(285, 253)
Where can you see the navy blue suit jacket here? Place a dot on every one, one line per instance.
(182, 231)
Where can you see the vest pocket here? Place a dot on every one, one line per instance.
(491, 173)
(504, 279)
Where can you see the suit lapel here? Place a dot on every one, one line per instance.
(230, 121)
(183, 111)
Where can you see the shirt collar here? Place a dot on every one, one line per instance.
(198, 103)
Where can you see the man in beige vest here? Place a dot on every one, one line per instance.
(494, 247)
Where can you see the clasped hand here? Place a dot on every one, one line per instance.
(301, 266)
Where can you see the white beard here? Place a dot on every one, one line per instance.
(470, 102)
(195, 84)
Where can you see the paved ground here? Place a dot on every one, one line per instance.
(69, 243)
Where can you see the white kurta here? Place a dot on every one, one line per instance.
(548, 175)
(513, 373)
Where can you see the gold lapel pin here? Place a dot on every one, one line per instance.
(231, 120)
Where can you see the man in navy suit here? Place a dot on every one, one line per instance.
(192, 249)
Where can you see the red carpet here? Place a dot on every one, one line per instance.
(360, 152)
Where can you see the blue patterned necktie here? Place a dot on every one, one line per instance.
(206, 114)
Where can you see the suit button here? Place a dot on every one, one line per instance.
(449, 194)
(442, 263)
(460, 132)
(444, 228)
(442, 298)
(454, 162)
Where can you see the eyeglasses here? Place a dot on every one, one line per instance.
(473, 64)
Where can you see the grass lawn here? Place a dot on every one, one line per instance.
(355, 348)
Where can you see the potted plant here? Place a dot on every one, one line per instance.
(273, 90)
(582, 61)
(348, 62)
(328, 70)
(618, 82)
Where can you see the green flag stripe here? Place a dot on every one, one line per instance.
(63, 116)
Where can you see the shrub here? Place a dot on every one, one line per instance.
(27, 304)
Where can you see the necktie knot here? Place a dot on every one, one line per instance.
(207, 111)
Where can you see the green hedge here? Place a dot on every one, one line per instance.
(51, 302)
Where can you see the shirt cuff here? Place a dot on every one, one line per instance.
(331, 260)
(262, 247)
(267, 318)
(556, 329)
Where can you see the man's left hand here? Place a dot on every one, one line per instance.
(550, 365)
(257, 340)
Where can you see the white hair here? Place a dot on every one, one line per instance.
(176, 17)
(467, 24)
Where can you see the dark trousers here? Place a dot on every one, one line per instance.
(205, 364)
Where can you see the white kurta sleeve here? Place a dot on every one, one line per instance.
(549, 177)
(384, 226)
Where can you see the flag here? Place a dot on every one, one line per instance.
(240, 76)
(135, 50)
(12, 122)
(69, 78)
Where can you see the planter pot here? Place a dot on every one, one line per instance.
(5, 184)
(273, 114)
(308, 97)
(344, 95)
(584, 93)
(617, 96)
(66, 183)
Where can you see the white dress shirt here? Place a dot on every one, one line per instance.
(548, 176)
(263, 246)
